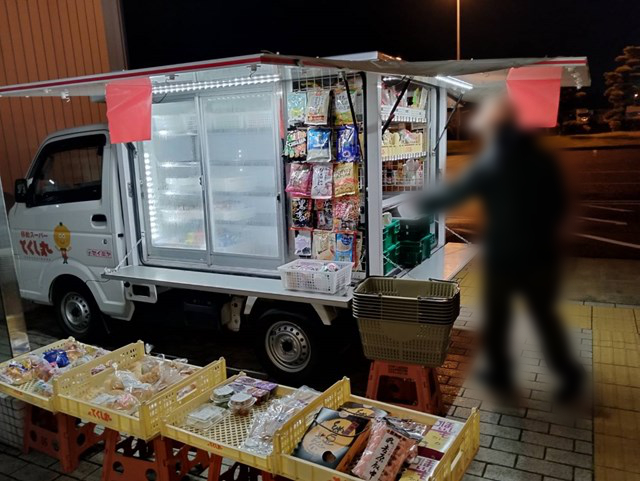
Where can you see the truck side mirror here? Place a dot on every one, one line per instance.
(20, 192)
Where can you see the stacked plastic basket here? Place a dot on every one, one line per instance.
(406, 320)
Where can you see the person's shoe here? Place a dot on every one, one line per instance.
(498, 383)
(572, 387)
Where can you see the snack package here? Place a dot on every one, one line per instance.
(301, 212)
(265, 424)
(57, 356)
(319, 145)
(296, 107)
(363, 410)
(324, 245)
(334, 439)
(322, 181)
(317, 107)
(324, 214)
(302, 242)
(346, 211)
(344, 247)
(412, 429)
(386, 452)
(270, 387)
(299, 179)
(345, 179)
(295, 146)
(348, 150)
(419, 470)
(342, 110)
(439, 438)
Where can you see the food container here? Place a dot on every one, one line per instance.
(206, 416)
(241, 403)
(221, 395)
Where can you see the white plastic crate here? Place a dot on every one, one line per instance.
(296, 279)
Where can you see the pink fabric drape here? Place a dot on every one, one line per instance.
(129, 110)
(535, 92)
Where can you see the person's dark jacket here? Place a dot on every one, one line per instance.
(522, 190)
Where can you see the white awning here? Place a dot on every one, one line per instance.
(473, 77)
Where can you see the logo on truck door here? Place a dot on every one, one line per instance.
(62, 238)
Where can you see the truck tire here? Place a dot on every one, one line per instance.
(289, 344)
(77, 312)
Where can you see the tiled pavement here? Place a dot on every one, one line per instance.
(529, 441)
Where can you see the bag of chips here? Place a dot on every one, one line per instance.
(344, 247)
(319, 145)
(299, 179)
(324, 245)
(295, 146)
(342, 109)
(322, 181)
(302, 243)
(348, 150)
(296, 107)
(317, 107)
(346, 211)
(301, 212)
(324, 214)
(345, 179)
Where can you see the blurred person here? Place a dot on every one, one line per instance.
(522, 191)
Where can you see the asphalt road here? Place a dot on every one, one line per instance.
(606, 188)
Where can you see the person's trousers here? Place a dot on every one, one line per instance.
(538, 286)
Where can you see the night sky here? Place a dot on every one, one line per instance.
(162, 32)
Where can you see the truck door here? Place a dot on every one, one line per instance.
(65, 227)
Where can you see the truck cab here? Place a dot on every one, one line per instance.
(67, 227)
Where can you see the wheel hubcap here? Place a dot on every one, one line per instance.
(288, 346)
(76, 312)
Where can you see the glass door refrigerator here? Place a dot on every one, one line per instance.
(244, 177)
(172, 195)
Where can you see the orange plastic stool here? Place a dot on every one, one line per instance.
(160, 459)
(406, 385)
(58, 435)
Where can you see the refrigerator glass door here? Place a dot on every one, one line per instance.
(172, 194)
(243, 158)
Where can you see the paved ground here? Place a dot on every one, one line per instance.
(606, 184)
(531, 440)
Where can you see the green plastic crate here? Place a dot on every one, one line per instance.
(413, 253)
(415, 229)
(390, 234)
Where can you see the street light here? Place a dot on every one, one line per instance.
(458, 29)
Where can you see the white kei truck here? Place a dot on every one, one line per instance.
(201, 208)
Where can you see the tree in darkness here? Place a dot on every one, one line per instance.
(623, 87)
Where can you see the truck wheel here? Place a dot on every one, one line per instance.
(289, 345)
(77, 312)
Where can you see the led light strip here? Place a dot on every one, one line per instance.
(236, 82)
(454, 82)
